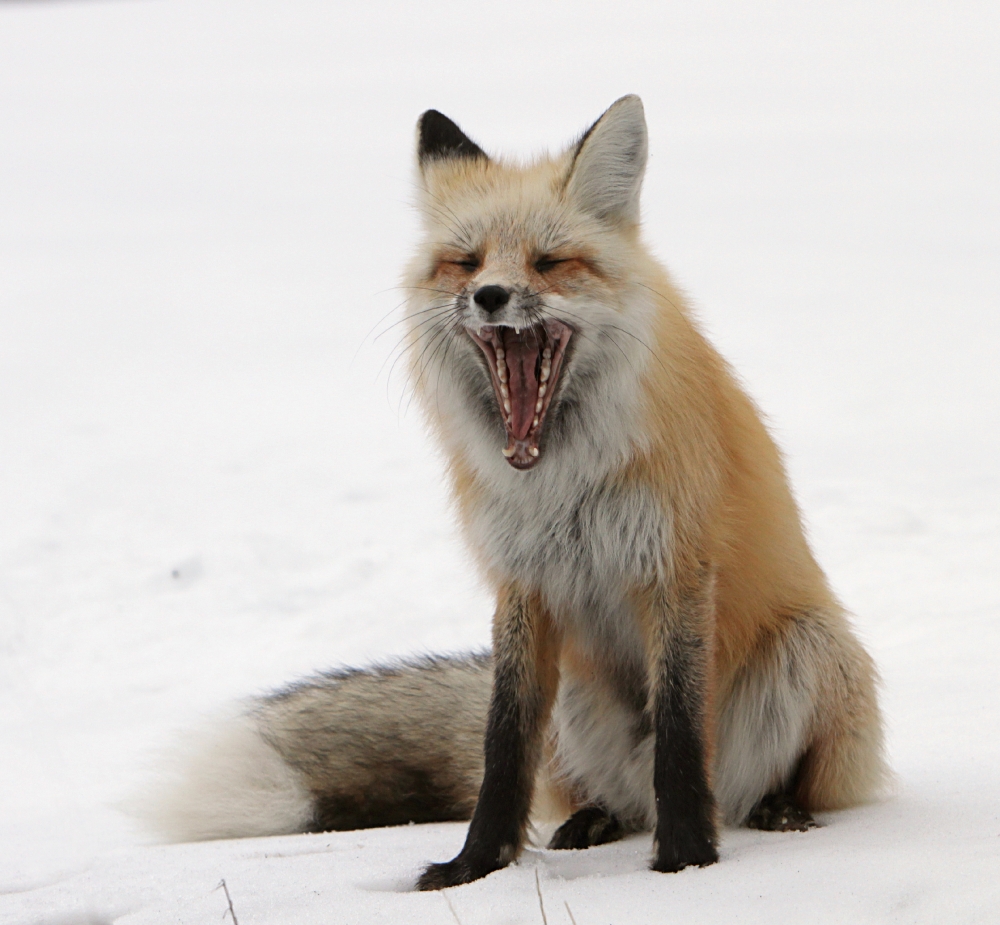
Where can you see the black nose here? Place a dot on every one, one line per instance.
(492, 298)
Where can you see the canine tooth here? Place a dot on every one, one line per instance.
(533, 450)
(508, 451)
(542, 389)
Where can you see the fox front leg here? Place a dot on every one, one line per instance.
(681, 631)
(524, 685)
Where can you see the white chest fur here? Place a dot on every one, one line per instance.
(581, 545)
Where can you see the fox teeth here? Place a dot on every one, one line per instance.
(542, 389)
(533, 450)
(500, 354)
(504, 391)
(547, 353)
(509, 451)
(506, 405)
(534, 423)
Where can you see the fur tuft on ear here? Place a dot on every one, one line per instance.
(438, 138)
(606, 174)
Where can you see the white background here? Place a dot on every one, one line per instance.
(211, 483)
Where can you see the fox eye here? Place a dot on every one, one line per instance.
(469, 264)
(544, 264)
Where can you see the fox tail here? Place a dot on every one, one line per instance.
(347, 749)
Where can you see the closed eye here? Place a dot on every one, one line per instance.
(545, 264)
(469, 264)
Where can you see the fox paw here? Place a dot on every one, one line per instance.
(780, 813)
(692, 853)
(586, 827)
(453, 873)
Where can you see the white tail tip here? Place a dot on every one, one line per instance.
(224, 781)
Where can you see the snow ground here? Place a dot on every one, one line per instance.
(210, 483)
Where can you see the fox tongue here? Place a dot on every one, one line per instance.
(522, 350)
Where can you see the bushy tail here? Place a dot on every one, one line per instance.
(343, 750)
(225, 781)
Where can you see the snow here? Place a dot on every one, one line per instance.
(211, 481)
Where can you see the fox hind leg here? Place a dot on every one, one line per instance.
(780, 812)
(799, 728)
(844, 764)
(587, 827)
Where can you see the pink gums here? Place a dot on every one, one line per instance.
(524, 369)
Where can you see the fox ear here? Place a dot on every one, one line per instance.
(606, 174)
(438, 138)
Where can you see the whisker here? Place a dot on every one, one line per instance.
(437, 304)
(453, 224)
(396, 307)
(440, 339)
(663, 296)
(605, 326)
(447, 342)
(441, 367)
(432, 336)
(532, 295)
(442, 309)
(458, 229)
(400, 349)
(423, 289)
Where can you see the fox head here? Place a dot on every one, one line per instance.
(528, 320)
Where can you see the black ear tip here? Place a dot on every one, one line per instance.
(432, 117)
(439, 137)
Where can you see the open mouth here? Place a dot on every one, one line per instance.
(524, 368)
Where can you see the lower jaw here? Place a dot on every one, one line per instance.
(521, 454)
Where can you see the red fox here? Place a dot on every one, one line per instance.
(667, 654)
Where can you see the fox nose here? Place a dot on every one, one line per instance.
(491, 298)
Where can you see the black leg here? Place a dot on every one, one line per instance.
(778, 812)
(587, 827)
(685, 805)
(524, 683)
